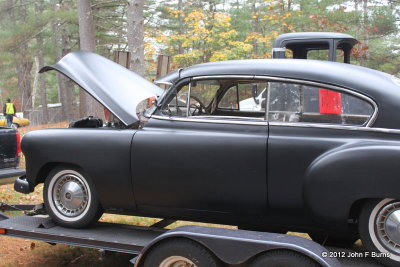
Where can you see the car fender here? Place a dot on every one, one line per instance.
(86, 149)
(339, 178)
(235, 247)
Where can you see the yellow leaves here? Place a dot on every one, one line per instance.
(175, 13)
(218, 56)
(260, 38)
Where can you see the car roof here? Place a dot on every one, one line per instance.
(377, 85)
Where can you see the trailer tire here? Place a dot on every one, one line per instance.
(69, 197)
(180, 251)
(282, 258)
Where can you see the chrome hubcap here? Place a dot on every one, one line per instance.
(177, 261)
(388, 227)
(70, 195)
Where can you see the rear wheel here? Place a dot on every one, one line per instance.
(70, 199)
(379, 228)
(180, 253)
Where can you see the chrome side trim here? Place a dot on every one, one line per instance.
(283, 124)
(334, 127)
(219, 121)
(327, 86)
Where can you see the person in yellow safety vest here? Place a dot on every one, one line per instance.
(9, 111)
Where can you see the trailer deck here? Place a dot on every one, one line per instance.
(107, 236)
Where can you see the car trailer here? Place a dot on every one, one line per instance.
(156, 246)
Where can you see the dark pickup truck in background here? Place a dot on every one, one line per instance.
(10, 152)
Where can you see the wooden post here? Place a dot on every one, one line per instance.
(122, 57)
(163, 63)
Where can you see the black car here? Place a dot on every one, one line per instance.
(318, 151)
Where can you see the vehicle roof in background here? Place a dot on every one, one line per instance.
(308, 36)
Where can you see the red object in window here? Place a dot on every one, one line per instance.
(18, 137)
(330, 102)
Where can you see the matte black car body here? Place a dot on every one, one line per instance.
(278, 175)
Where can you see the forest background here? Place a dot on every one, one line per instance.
(35, 33)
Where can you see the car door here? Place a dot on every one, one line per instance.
(307, 120)
(187, 161)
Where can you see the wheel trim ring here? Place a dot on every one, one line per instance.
(387, 237)
(61, 198)
(372, 229)
(177, 261)
(51, 200)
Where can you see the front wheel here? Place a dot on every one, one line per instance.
(379, 228)
(70, 199)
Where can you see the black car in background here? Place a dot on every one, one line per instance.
(319, 153)
(10, 152)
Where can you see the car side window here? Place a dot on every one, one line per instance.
(192, 99)
(290, 102)
(245, 97)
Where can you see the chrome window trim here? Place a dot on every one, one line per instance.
(188, 100)
(316, 84)
(333, 87)
(166, 83)
(194, 119)
(207, 77)
(230, 117)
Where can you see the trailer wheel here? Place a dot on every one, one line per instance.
(181, 253)
(379, 228)
(282, 258)
(70, 199)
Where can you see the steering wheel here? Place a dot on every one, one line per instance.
(198, 107)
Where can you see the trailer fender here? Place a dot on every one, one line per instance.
(238, 246)
(337, 179)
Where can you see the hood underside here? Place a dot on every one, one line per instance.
(117, 88)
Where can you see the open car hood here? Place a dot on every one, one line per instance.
(117, 88)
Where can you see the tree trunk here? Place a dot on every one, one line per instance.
(24, 64)
(42, 81)
(61, 40)
(366, 33)
(180, 21)
(136, 35)
(24, 68)
(88, 105)
(254, 23)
